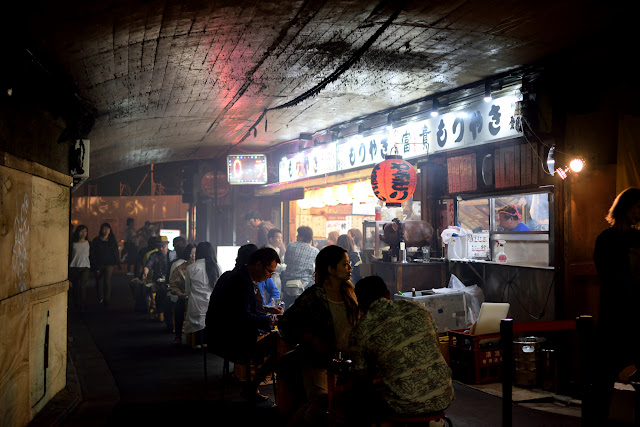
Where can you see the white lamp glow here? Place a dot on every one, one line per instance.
(306, 202)
(576, 165)
(328, 197)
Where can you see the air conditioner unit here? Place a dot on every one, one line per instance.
(79, 162)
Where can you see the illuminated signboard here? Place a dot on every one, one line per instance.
(477, 124)
(480, 123)
(362, 151)
(247, 169)
(312, 162)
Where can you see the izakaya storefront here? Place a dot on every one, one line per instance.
(336, 175)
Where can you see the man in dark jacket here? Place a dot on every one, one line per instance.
(239, 327)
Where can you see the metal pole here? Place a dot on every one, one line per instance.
(506, 332)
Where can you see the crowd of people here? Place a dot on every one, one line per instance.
(316, 303)
(312, 301)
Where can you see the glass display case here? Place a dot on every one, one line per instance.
(372, 247)
(522, 222)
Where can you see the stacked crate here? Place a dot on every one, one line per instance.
(475, 359)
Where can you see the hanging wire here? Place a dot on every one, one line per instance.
(542, 161)
(333, 76)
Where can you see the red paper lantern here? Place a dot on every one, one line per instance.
(393, 181)
(215, 185)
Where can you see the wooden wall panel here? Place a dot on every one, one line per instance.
(15, 226)
(49, 232)
(34, 239)
(14, 362)
(26, 384)
(47, 380)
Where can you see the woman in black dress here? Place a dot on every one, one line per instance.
(104, 256)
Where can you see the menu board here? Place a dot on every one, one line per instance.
(461, 173)
(478, 246)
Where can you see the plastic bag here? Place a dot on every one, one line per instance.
(451, 230)
(473, 294)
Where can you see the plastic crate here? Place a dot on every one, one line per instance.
(472, 363)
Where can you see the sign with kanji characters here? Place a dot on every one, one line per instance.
(312, 162)
(476, 124)
(478, 246)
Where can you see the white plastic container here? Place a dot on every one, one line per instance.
(501, 257)
(457, 247)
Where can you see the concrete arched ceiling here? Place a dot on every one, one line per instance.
(187, 79)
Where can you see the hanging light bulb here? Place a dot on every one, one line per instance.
(306, 202)
(341, 194)
(360, 191)
(327, 197)
(435, 108)
(576, 165)
(316, 199)
(487, 92)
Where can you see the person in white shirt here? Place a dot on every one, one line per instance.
(200, 279)
(79, 266)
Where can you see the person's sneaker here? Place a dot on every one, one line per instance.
(177, 340)
(197, 346)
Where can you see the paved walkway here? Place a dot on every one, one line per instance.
(123, 369)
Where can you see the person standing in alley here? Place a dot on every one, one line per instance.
(130, 249)
(300, 262)
(356, 235)
(177, 278)
(104, 256)
(145, 232)
(263, 226)
(617, 260)
(200, 279)
(79, 266)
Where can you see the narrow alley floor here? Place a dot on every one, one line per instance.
(124, 369)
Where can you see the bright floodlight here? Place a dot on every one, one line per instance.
(576, 165)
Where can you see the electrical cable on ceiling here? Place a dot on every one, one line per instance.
(332, 77)
(542, 161)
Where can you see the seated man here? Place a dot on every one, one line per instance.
(239, 327)
(154, 273)
(396, 343)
